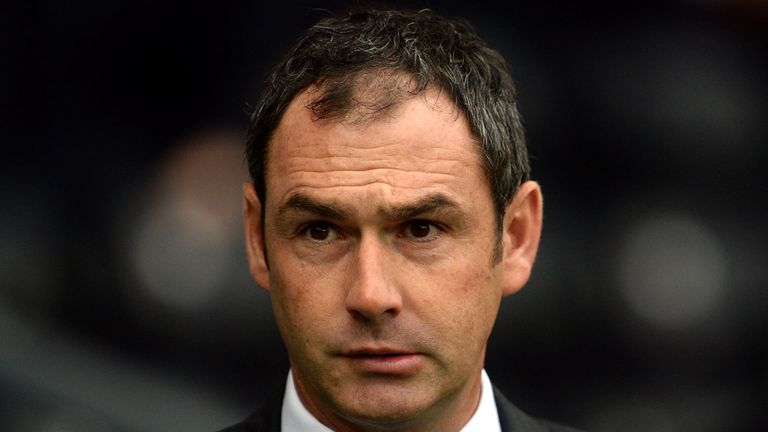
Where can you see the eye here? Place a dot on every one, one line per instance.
(320, 232)
(420, 230)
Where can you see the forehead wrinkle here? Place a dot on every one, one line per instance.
(364, 176)
(346, 157)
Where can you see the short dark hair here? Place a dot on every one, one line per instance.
(338, 53)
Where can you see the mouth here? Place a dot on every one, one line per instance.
(384, 361)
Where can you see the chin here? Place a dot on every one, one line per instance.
(383, 408)
(383, 418)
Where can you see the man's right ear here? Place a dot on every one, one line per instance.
(254, 236)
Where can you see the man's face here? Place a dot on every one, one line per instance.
(380, 240)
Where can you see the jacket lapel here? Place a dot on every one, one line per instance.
(512, 419)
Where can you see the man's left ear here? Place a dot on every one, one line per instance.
(520, 236)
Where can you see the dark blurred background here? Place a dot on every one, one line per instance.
(125, 302)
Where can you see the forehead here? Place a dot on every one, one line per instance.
(424, 143)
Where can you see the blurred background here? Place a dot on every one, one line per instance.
(125, 302)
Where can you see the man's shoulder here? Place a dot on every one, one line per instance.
(513, 419)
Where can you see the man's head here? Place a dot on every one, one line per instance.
(365, 64)
(389, 250)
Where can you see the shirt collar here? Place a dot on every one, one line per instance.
(486, 418)
(296, 418)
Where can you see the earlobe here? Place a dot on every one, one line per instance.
(521, 233)
(254, 236)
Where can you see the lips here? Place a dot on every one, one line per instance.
(384, 361)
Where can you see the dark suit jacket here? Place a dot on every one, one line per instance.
(267, 419)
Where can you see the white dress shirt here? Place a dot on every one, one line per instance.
(296, 418)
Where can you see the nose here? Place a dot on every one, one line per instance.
(373, 294)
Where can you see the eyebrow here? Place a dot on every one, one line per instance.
(432, 203)
(302, 203)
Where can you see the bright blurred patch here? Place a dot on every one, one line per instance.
(672, 271)
(185, 244)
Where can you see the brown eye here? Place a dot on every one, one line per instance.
(319, 232)
(420, 229)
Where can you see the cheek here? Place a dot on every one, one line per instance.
(479, 306)
(290, 297)
(305, 301)
(463, 301)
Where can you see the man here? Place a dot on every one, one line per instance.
(390, 211)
